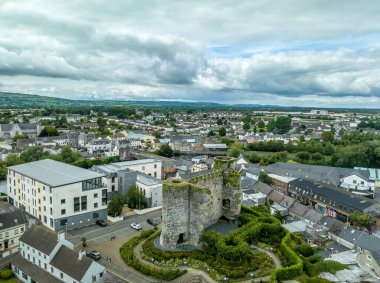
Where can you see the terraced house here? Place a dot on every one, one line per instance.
(59, 195)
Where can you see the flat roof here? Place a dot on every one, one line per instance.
(54, 173)
(134, 162)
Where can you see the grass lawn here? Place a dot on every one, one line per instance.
(13, 280)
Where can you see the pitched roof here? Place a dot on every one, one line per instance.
(34, 271)
(262, 188)
(40, 238)
(313, 216)
(298, 209)
(67, 260)
(276, 196)
(12, 218)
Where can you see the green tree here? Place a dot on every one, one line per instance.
(253, 157)
(281, 124)
(246, 126)
(264, 178)
(211, 133)
(327, 136)
(135, 198)
(165, 150)
(261, 124)
(303, 155)
(219, 122)
(222, 132)
(13, 159)
(49, 132)
(34, 153)
(67, 155)
(115, 206)
(362, 220)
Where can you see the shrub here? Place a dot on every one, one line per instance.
(304, 250)
(6, 274)
(127, 254)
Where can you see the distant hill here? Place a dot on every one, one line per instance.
(21, 100)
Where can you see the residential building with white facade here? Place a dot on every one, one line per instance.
(144, 173)
(59, 195)
(12, 226)
(46, 256)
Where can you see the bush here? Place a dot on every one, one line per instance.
(127, 254)
(6, 274)
(304, 250)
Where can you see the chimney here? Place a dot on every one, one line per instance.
(81, 255)
(61, 236)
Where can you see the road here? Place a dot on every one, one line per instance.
(96, 233)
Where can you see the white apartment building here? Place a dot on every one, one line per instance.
(151, 188)
(145, 174)
(59, 195)
(12, 226)
(149, 166)
(46, 256)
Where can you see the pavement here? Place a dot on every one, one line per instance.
(99, 239)
(101, 234)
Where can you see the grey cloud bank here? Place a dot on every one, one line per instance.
(307, 53)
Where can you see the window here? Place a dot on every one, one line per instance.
(63, 211)
(354, 181)
(51, 200)
(61, 275)
(95, 205)
(155, 166)
(45, 219)
(24, 276)
(51, 211)
(155, 174)
(6, 234)
(52, 269)
(369, 257)
(101, 274)
(51, 222)
(63, 222)
(84, 203)
(113, 188)
(95, 195)
(104, 197)
(63, 201)
(91, 184)
(76, 204)
(45, 265)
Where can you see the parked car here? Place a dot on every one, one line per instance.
(95, 255)
(151, 222)
(101, 223)
(136, 226)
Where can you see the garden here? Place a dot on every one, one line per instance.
(234, 255)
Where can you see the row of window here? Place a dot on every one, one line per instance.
(16, 232)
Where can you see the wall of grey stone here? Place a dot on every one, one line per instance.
(80, 220)
(190, 211)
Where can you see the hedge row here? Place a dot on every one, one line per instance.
(127, 254)
(287, 272)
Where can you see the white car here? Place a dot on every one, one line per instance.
(136, 226)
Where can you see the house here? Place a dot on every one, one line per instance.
(198, 167)
(46, 256)
(331, 201)
(31, 130)
(151, 188)
(59, 195)
(12, 226)
(215, 147)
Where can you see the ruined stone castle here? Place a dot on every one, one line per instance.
(190, 206)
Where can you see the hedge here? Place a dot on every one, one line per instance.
(6, 274)
(127, 254)
(287, 272)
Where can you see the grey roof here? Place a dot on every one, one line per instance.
(298, 209)
(262, 188)
(334, 225)
(54, 173)
(34, 271)
(247, 183)
(40, 238)
(313, 216)
(148, 180)
(337, 198)
(287, 202)
(316, 173)
(276, 196)
(12, 218)
(67, 261)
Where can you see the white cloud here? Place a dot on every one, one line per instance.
(300, 52)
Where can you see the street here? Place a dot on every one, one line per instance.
(99, 239)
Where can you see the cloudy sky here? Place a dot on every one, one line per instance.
(294, 52)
